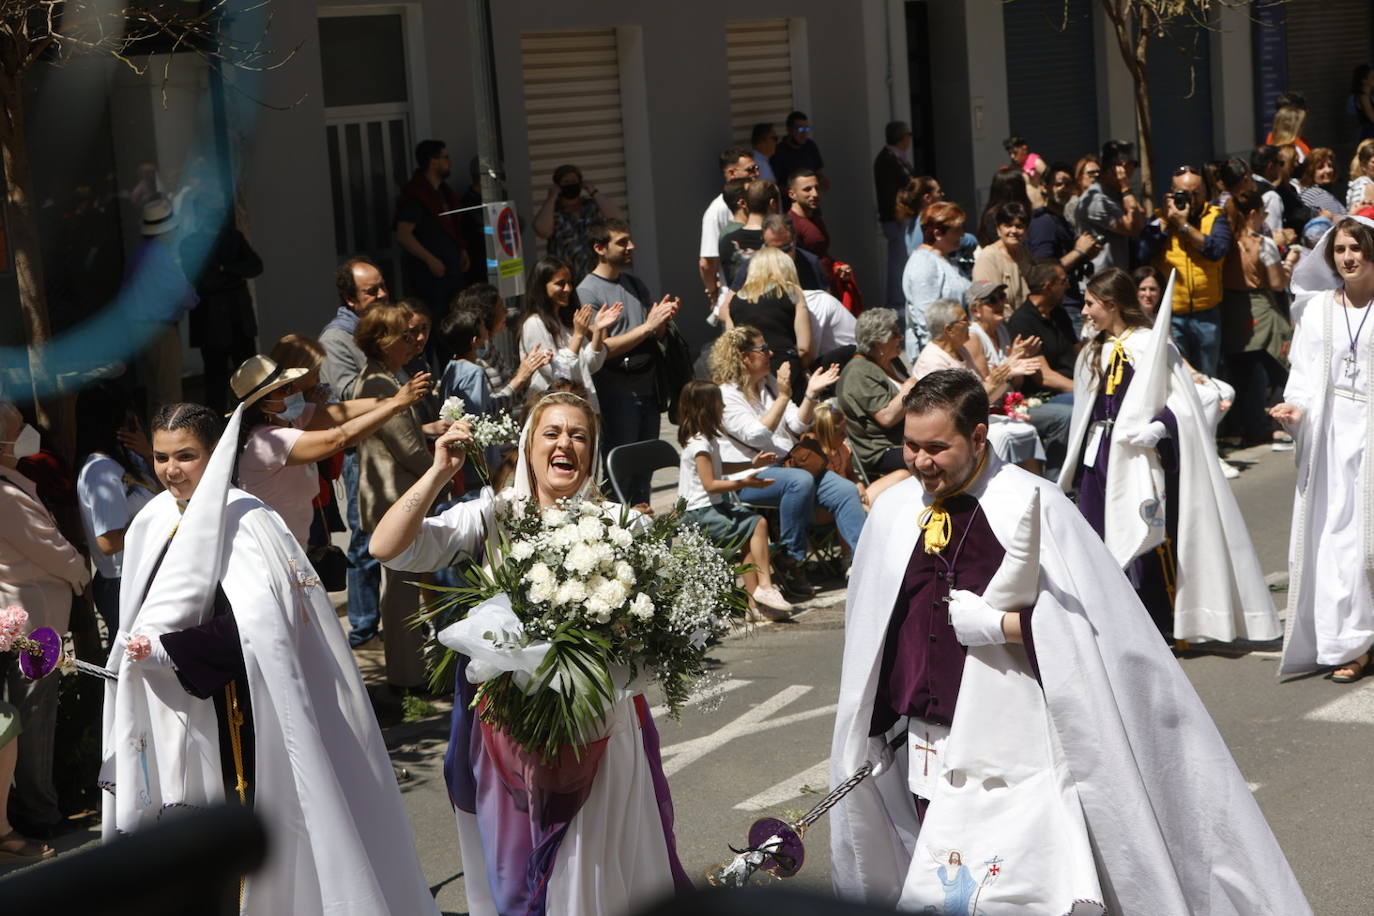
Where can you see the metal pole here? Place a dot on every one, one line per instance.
(487, 108)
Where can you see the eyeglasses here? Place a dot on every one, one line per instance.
(802, 130)
(1091, 173)
(761, 348)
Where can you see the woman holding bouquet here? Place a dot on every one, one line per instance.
(590, 830)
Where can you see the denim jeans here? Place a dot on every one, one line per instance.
(1198, 337)
(627, 417)
(365, 576)
(106, 595)
(796, 494)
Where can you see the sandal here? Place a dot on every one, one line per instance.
(14, 845)
(1351, 671)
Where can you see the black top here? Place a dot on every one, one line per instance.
(789, 159)
(890, 175)
(773, 315)
(1058, 341)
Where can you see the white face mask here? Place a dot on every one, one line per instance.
(26, 444)
(293, 407)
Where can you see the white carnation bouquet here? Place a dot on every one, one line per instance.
(487, 430)
(575, 597)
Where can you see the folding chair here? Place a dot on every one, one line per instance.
(638, 458)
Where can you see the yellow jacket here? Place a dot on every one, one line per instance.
(1199, 286)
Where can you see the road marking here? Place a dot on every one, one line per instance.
(756, 720)
(1254, 786)
(815, 777)
(706, 693)
(1355, 706)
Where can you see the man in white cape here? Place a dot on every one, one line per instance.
(339, 839)
(1079, 774)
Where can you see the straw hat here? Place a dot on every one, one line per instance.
(258, 377)
(158, 217)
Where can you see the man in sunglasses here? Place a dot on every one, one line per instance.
(735, 162)
(1191, 236)
(798, 151)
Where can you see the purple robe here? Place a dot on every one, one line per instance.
(1149, 573)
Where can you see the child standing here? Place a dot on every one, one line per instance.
(702, 484)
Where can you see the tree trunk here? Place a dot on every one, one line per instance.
(25, 247)
(1143, 126)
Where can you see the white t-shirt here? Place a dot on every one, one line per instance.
(108, 503)
(832, 325)
(1269, 251)
(716, 218)
(993, 354)
(689, 485)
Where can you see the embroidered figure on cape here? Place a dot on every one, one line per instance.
(1152, 511)
(145, 794)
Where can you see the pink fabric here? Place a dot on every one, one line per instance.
(933, 358)
(263, 471)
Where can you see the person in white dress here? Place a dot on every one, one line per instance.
(600, 843)
(1326, 407)
(236, 685)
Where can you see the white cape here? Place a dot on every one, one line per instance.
(1173, 827)
(340, 841)
(1221, 593)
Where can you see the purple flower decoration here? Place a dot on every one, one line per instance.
(40, 663)
(790, 855)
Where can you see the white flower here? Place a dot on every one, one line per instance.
(570, 592)
(620, 537)
(540, 572)
(590, 509)
(642, 607)
(610, 591)
(522, 550)
(555, 518)
(581, 559)
(605, 555)
(541, 592)
(565, 537)
(598, 610)
(625, 572)
(591, 529)
(453, 409)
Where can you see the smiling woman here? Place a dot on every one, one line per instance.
(614, 797)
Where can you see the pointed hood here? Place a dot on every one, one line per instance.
(1150, 387)
(184, 587)
(1016, 583)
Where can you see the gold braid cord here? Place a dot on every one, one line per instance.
(935, 521)
(231, 696)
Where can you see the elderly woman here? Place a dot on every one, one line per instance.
(39, 571)
(760, 417)
(870, 392)
(287, 428)
(389, 462)
(534, 839)
(929, 273)
(1015, 441)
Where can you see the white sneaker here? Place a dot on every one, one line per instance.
(770, 599)
(1228, 470)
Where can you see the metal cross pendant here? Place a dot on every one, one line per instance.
(1349, 364)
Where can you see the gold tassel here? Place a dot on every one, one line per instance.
(935, 521)
(1116, 363)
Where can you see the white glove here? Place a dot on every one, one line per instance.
(879, 754)
(146, 650)
(1146, 436)
(976, 622)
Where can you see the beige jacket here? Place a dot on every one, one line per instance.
(394, 457)
(39, 568)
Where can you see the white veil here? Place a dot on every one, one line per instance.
(522, 488)
(1313, 274)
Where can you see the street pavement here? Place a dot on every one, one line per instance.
(758, 743)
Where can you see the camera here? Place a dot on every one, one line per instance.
(1182, 199)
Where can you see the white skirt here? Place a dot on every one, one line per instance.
(1014, 441)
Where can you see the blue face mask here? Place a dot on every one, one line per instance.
(294, 407)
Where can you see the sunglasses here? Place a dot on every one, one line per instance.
(761, 348)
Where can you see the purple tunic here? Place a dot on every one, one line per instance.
(923, 660)
(1147, 572)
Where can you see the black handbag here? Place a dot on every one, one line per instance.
(330, 562)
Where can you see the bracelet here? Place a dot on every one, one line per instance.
(807, 396)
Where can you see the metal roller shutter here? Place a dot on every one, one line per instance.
(758, 55)
(1180, 72)
(572, 109)
(1326, 39)
(1051, 93)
